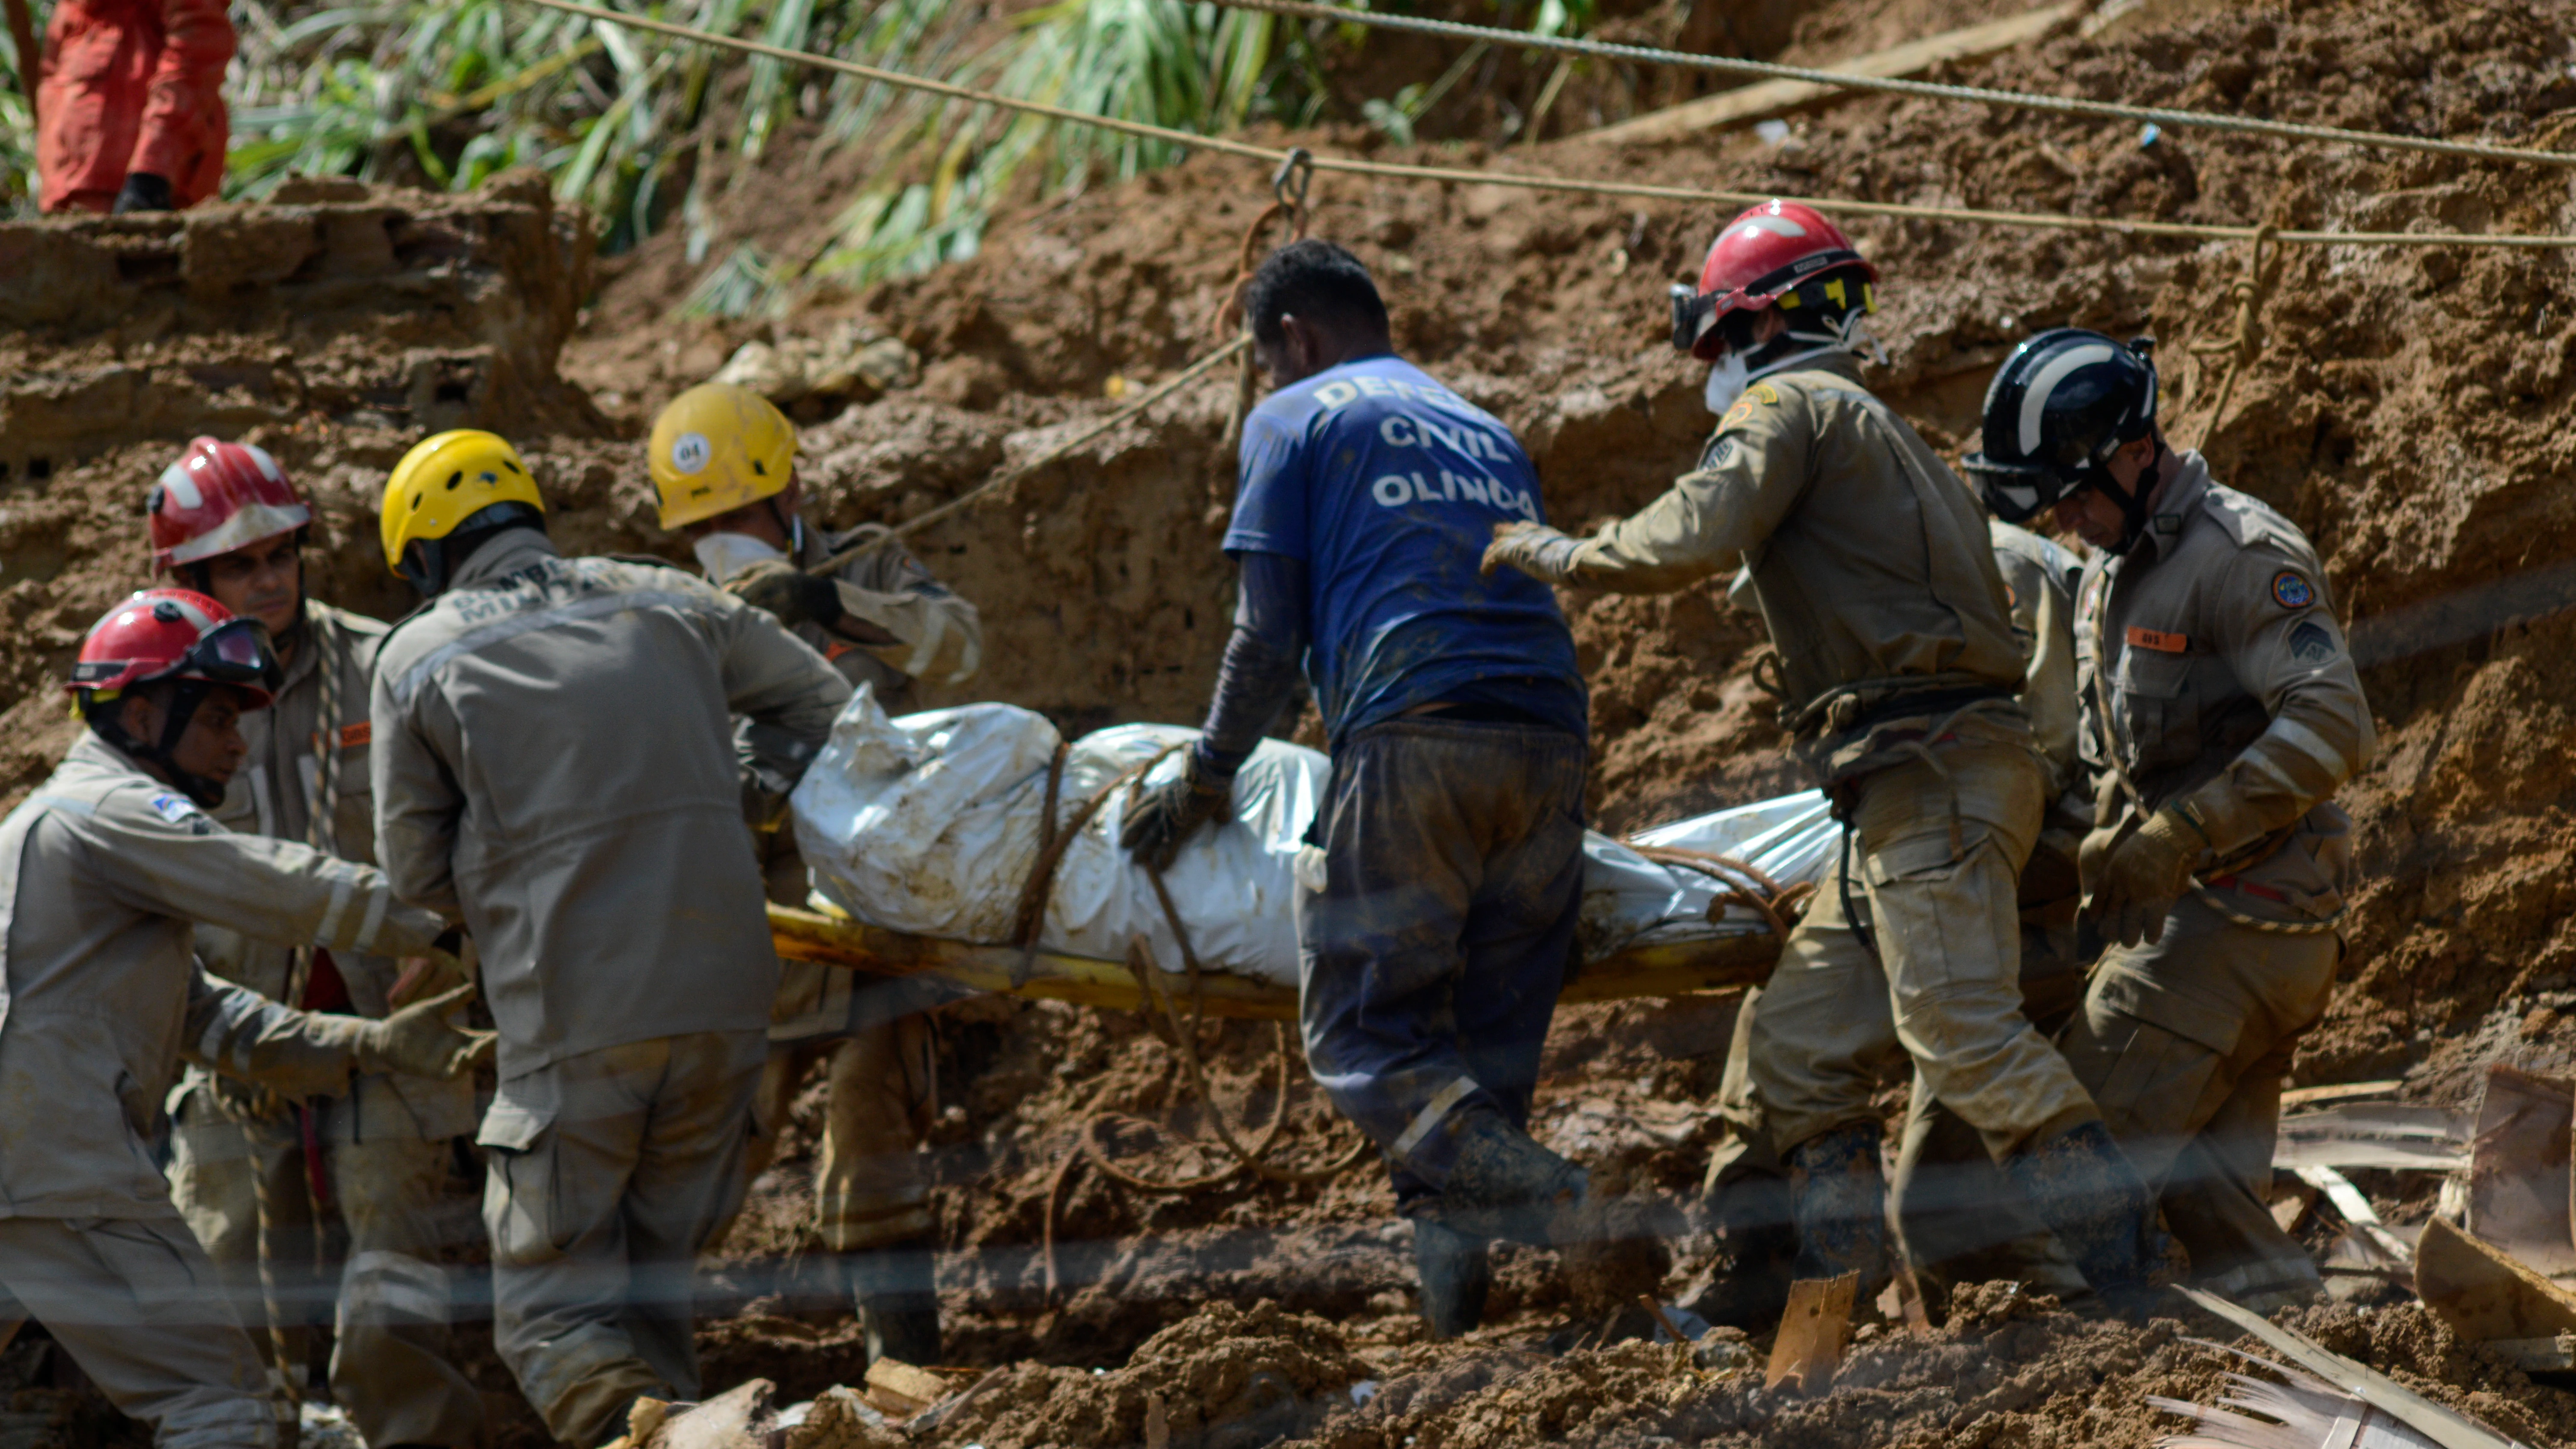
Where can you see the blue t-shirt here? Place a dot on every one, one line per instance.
(1388, 486)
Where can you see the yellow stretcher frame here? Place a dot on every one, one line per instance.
(1674, 969)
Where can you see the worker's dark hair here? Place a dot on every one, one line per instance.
(1319, 282)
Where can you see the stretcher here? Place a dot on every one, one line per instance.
(1666, 968)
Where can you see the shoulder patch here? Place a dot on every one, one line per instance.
(2310, 643)
(2291, 590)
(180, 810)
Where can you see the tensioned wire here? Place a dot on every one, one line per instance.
(1933, 90)
(2046, 221)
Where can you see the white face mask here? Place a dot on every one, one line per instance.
(1726, 382)
(725, 554)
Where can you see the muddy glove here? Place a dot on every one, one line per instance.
(2140, 878)
(789, 592)
(1535, 549)
(1163, 817)
(246, 1102)
(144, 191)
(420, 1041)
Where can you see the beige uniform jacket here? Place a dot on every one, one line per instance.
(940, 637)
(279, 791)
(2214, 648)
(102, 871)
(1870, 560)
(2041, 576)
(553, 762)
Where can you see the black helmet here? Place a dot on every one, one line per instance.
(2059, 407)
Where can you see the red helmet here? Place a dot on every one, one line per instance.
(219, 497)
(1769, 255)
(174, 634)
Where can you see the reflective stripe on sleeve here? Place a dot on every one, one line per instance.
(378, 898)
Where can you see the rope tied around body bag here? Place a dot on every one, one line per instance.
(1746, 884)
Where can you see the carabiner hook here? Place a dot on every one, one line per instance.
(1288, 184)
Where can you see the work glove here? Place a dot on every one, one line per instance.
(1161, 818)
(1535, 549)
(789, 592)
(2134, 882)
(420, 1041)
(144, 191)
(247, 1103)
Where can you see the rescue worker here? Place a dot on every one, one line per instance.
(723, 462)
(130, 104)
(2223, 710)
(552, 763)
(1432, 955)
(102, 871)
(225, 520)
(1961, 1222)
(1879, 588)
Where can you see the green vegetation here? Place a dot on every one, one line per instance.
(631, 124)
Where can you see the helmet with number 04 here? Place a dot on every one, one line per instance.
(217, 498)
(2059, 407)
(717, 447)
(173, 634)
(1778, 254)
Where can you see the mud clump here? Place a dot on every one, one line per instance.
(1225, 1378)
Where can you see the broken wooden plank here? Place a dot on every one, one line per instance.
(1747, 104)
(2398, 1135)
(2482, 1292)
(2519, 1170)
(2298, 1097)
(1671, 969)
(1810, 1347)
(2444, 1426)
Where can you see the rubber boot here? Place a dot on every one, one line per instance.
(898, 1303)
(1838, 1202)
(1456, 1271)
(2083, 1187)
(1750, 1213)
(1502, 1184)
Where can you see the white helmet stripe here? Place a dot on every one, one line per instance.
(2034, 399)
(183, 489)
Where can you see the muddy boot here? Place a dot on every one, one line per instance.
(898, 1303)
(1838, 1202)
(2082, 1186)
(1750, 1289)
(1456, 1271)
(1504, 1185)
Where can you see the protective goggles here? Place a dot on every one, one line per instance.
(2014, 492)
(1695, 313)
(233, 652)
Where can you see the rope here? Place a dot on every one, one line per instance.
(1934, 90)
(2044, 221)
(1748, 884)
(2248, 341)
(1014, 474)
(1288, 188)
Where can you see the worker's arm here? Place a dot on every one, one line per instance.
(2293, 659)
(240, 1033)
(771, 675)
(1749, 476)
(163, 855)
(418, 801)
(892, 607)
(1263, 658)
(196, 44)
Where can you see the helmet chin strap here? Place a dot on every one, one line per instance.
(1848, 333)
(185, 696)
(2132, 500)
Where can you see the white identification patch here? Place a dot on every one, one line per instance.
(690, 452)
(173, 808)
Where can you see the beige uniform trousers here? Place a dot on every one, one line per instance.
(140, 1309)
(388, 1300)
(625, 1161)
(871, 1187)
(1943, 985)
(2185, 1043)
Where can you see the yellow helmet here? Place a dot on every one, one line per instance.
(716, 448)
(445, 480)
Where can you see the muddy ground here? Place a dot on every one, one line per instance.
(2410, 408)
